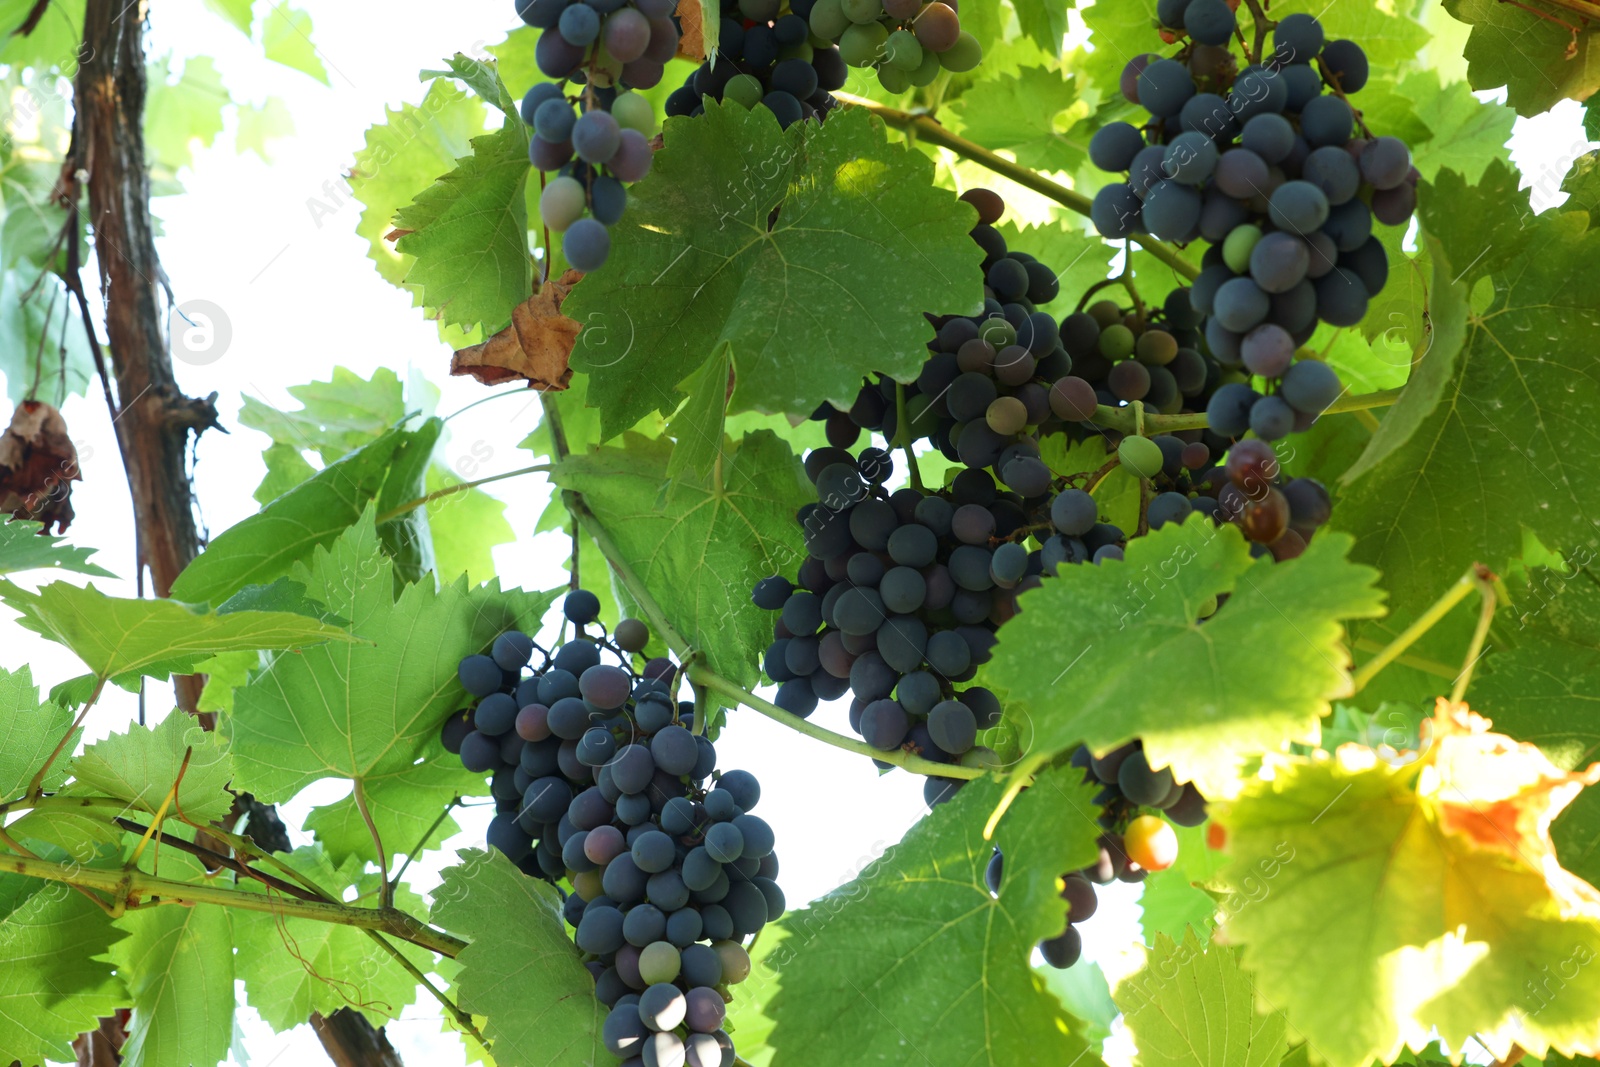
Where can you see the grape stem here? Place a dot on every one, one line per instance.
(928, 129)
(1125, 282)
(903, 437)
(1262, 26)
(1476, 577)
(1485, 580)
(1122, 419)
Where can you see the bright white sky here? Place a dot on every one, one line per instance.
(301, 298)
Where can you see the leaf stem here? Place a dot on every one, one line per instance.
(136, 885)
(1123, 418)
(427, 835)
(1485, 580)
(928, 129)
(1426, 666)
(36, 785)
(1458, 592)
(462, 487)
(698, 673)
(386, 892)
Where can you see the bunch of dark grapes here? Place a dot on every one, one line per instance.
(1133, 844)
(1279, 176)
(597, 138)
(601, 782)
(765, 56)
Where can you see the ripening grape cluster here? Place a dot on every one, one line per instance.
(595, 138)
(1132, 844)
(600, 781)
(1272, 167)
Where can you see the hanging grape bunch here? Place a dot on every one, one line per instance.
(1274, 169)
(908, 42)
(596, 138)
(601, 781)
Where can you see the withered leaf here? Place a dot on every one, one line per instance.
(536, 346)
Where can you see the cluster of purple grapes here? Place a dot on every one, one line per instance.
(601, 782)
(597, 139)
(1280, 177)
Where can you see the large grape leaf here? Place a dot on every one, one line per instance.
(370, 710)
(142, 765)
(266, 545)
(182, 112)
(29, 734)
(24, 547)
(1510, 443)
(403, 807)
(1106, 654)
(1465, 134)
(520, 970)
(403, 156)
(700, 547)
(119, 639)
(916, 962)
(1191, 1006)
(825, 240)
(1021, 113)
(178, 965)
(1541, 690)
(1539, 60)
(469, 233)
(56, 981)
(1427, 894)
(331, 966)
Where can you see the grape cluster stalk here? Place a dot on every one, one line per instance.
(602, 783)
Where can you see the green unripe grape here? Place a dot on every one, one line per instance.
(633, 112)
(587, 884)
(1157, 348)
(659, 962)
(1007, 415)
(1140, 456)
(1208, 608)
(962, 56)
(797, 51)
(893, 79)
(983, 758)
(917, 414)
(562, 203)
(998, 332)
(828, 20)
(903, 50)
(928, 70)
(861, 45)
(862, 11)
(1116, 342)
(744, 90)
(735, 961)
(816, 42)
(1105, 312)
(1238, 246)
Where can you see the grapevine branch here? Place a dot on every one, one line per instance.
(699, 674)
(928, 129)
(1123, 419)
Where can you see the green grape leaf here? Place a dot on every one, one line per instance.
(42, 350)
(465, 527)
(482, 77)
(331, 966)
(1191, 1006)
(1537, 690)
(1499, 450)
(30, 734)
(1171, 901)
(56, 981)
(403, 807)
(286, 39)
(336, 416)
(1078, 257)
(142, 765)
(224, 674)
(469, 233)
(1021, 113)
(261, 124)
(235, 11)
(521, 970)
(182, 111)
(366, 711)
(1044, 21)
(25, 547)
(915, 961)
(286, 531)
(1394, 41)
(1118, 31)
(178, 964)
(286, 468)
(119, 639)
(1400, 315)
(696, 428)
(700, 546)
(833, 240)
(1540, 62)
(1466, 134)
(402, 157)
(1086, 994)
(53, 44)
(1086, 658)
(1449, 910)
